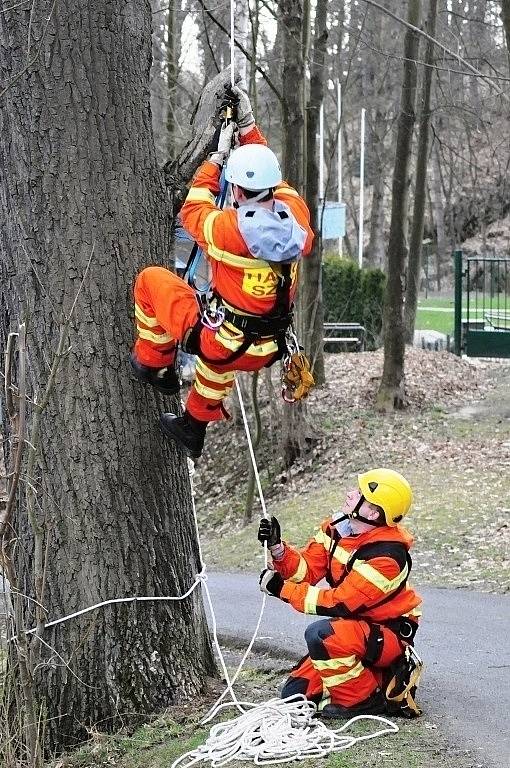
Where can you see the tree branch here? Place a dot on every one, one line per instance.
(244, 51)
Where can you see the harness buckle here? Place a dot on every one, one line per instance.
(212, 314)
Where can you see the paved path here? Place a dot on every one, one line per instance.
(464, 641)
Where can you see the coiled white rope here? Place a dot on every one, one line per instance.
(278, 731)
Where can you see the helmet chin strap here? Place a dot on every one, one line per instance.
(264, 193)
(355, 515)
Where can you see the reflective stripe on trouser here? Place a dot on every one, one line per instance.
(334, 671)
(214, 381)
(165, 308)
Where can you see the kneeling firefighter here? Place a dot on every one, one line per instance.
(360, 655)
(253, 249)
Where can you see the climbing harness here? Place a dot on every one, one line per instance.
(214, 311)
(400, 691)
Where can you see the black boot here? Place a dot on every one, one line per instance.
(185, 430)
(165, 380)
(375, 704)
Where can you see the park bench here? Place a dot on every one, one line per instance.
(349, 335)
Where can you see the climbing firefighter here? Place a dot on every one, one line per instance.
(253, 250)
(360, 657)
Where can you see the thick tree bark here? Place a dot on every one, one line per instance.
(80, 174)
(312, 307)
(420, 190)
(391, 389)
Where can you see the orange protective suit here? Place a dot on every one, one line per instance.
(166, 307)
(366, 599)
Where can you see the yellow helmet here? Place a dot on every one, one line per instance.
(389, 490)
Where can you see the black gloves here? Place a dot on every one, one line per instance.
(271, 582)
(270, 532)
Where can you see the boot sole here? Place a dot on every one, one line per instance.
(167, 433)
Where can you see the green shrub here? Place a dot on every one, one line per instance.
(353, 295)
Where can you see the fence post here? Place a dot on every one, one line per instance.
(457, 259)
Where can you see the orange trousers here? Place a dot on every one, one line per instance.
(334, 672)
(166, 307)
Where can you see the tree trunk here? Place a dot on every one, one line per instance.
(391, 389)
(505, 15)
(374, 255)
(438, 214)
(312, 307)
(290, 20)
(420, 191)
(80, 177)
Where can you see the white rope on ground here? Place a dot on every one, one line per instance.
(279, 731)
(276, 731)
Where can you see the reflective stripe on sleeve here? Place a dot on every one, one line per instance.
(301, 570)
(311, 598)
(322, 538)
(286, 191)
(200, 195)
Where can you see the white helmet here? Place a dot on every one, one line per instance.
(253, 167)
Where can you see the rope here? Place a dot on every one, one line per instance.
(279, 731)
(232, 42)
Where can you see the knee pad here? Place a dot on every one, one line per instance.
(315, 634)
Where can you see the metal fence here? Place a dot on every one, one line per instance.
(482, 305)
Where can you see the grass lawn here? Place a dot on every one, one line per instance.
(434, 321)
(437, 314)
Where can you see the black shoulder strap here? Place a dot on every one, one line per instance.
(282, 303)
(335, 538)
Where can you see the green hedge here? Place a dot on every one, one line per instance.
(353, 295)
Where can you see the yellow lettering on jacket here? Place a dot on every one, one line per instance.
(263, 281)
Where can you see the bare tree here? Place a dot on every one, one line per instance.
(312, 308)
(420, 189)
(391, 389)
(82, 201)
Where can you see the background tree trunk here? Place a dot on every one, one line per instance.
(291, 17)
(505, 15)
(391, 389)
(290, 20)
(79, 171)
(312, 308)
(438, 214)
(420, 190)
